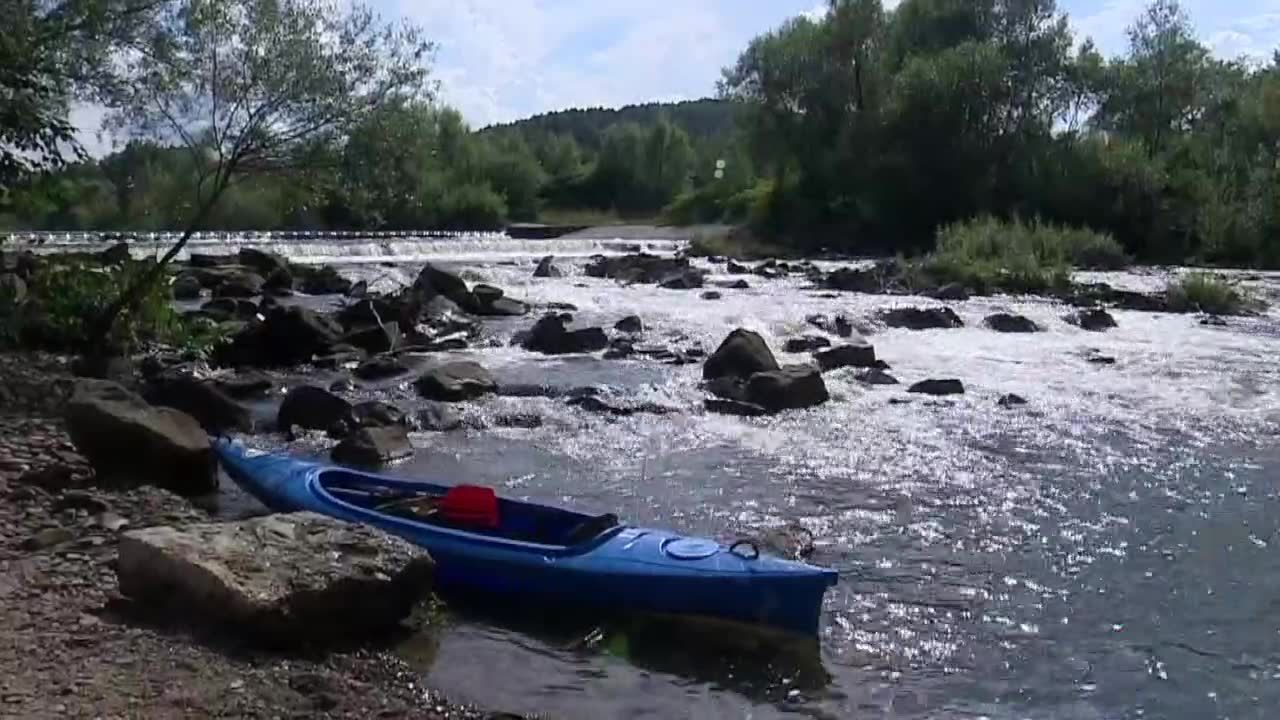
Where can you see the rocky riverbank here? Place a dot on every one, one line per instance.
(76, 647)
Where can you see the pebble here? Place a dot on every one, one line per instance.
(47, 538)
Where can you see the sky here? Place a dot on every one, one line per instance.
(500, 60)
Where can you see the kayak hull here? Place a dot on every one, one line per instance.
(623, 569)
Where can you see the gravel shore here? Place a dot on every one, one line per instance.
(73, 647)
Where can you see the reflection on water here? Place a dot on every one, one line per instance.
(1105, 552)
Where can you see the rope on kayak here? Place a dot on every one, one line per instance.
(755, 549)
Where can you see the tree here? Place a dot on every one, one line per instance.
(51, 52)
(249, 85)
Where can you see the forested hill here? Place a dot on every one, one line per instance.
(701, 119)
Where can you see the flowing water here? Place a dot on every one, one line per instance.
(1106, 551)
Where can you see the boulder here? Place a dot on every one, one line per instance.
(808, 343)
(373, 446)
(1093, 320)
(487, 294)
(278, 579)
(638, 268)
(381, 368)
(619, 348)
(595, 404)
(938, 387)
(740, 355)
(202, 260)
(455, 382)
(739, 285)
(1011, 400)
(436, 417)
(287, 336)
(433, 281)
(324, 280)
(854, 280)
(264, 263)
(502, 307)
(358, 291)
(1009, 323)
(374, 338)
(724, 406)
(313, 408)
(186, 287)
(244, 285)
(712, 295)
(950, 291)
(631, 324)
(122, 436)
(861, 355)
(546, 269)
(876, 376)
(735, 268)
(550, 337)
(248, 384)
(789, 388)
(840, 326)
(370, 311)
(210, 406)
(117, 254)
(224, 309)
(278, 284)
(684, 279)
(921, 319)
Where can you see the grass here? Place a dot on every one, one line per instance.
(987, 254)
(591, 217)
(1207, 292)
(738, 243)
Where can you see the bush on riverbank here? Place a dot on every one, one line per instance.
(988, 254)
(737, 243)
(65, 295)
(1206, 292)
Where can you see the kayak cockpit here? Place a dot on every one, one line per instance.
(426, 504)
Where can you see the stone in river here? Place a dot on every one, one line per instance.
(740, 355)
(938, 387)
(1009, 323)
(374, 446)
(455, 382)
(921, 319)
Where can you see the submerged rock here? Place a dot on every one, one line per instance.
(1011, 400)
(124, 437)
(740, 355)
(938, 387)
(375, 338)
(264, 263)
(312, 408)
(248, 384)
(712, 295)
(298, 578)
(550, 337)
(1093, 320)
(950, 291)
(921, 319)
(245, 285)
(861, 355)
(455, 382)
(724, 406)
(383, 367)
(433, 281)
(684, 279)
(375, 413)
(1009, 323)
(631, 324)
(287, 336)
(876, 376)
(790, 388)
(324, 280)
(808, 343)
(374, 446)
(209, 405)
(546, 269)
(436, 417)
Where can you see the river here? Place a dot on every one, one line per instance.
(1103, 552)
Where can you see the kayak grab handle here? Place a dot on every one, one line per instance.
(755, 550)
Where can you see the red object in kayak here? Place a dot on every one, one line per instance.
(470, 505)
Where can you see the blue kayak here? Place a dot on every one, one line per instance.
(549, 554)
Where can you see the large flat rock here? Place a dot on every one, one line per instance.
(295, 577)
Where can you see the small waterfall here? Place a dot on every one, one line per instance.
(341, 247)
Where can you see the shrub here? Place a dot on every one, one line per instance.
(1206, 292)
(472, 207)
(738, 243)
(64, 296)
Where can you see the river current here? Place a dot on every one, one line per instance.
(1109, 550)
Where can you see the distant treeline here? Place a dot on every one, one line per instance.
(415, 166)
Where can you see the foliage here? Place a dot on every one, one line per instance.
(735, 243)
(1206, 292)
(53, 52)
(65, 295)
(878, 127)
(989, 254)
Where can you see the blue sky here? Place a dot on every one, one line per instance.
(499, 60)
(504, 59)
